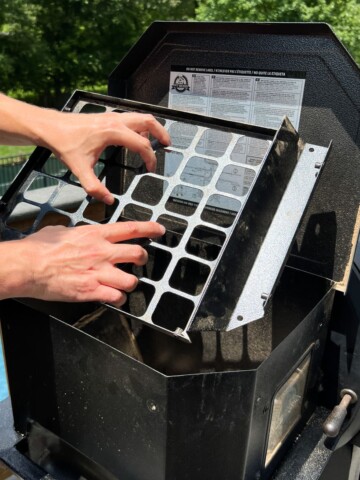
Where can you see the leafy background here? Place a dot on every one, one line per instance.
(50, 47)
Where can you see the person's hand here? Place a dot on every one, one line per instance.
(75, 264)
(79, 139)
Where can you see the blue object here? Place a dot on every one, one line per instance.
(3, 383)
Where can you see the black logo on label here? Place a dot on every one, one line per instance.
(181, 84)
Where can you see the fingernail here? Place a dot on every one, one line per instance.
(163, 229)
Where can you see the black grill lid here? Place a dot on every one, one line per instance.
(330, 109)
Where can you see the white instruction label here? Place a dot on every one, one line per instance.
(258, 97)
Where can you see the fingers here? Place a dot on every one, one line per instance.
(122, 231)
(110, 295)
(80, 264)
(118, 281)
(133, 133)
(126, 253)
(114, 283)
(93, 186)
(117, 278)
(137, 143)
(86, 136)
(146, 123)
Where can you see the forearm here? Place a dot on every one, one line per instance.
(24, 124)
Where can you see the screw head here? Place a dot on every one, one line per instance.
(152, 407)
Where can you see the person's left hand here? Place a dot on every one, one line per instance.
(75, 264)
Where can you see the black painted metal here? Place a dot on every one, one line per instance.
(341, 360)
(331, 108)
(140, 423)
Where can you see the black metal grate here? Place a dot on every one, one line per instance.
(204, 191)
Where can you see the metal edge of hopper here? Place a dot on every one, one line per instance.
(269, 263)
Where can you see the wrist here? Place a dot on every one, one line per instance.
(42, 125)
(25, 124)
(15, 273)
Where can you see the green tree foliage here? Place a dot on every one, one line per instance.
(165, 10)
(51, 47)
(342, 15)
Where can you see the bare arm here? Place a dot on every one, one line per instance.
(78, 139)
(76, 264)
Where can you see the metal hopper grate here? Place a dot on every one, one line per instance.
(223, 191)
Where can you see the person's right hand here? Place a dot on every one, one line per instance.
(75, 264)
(78, 139)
